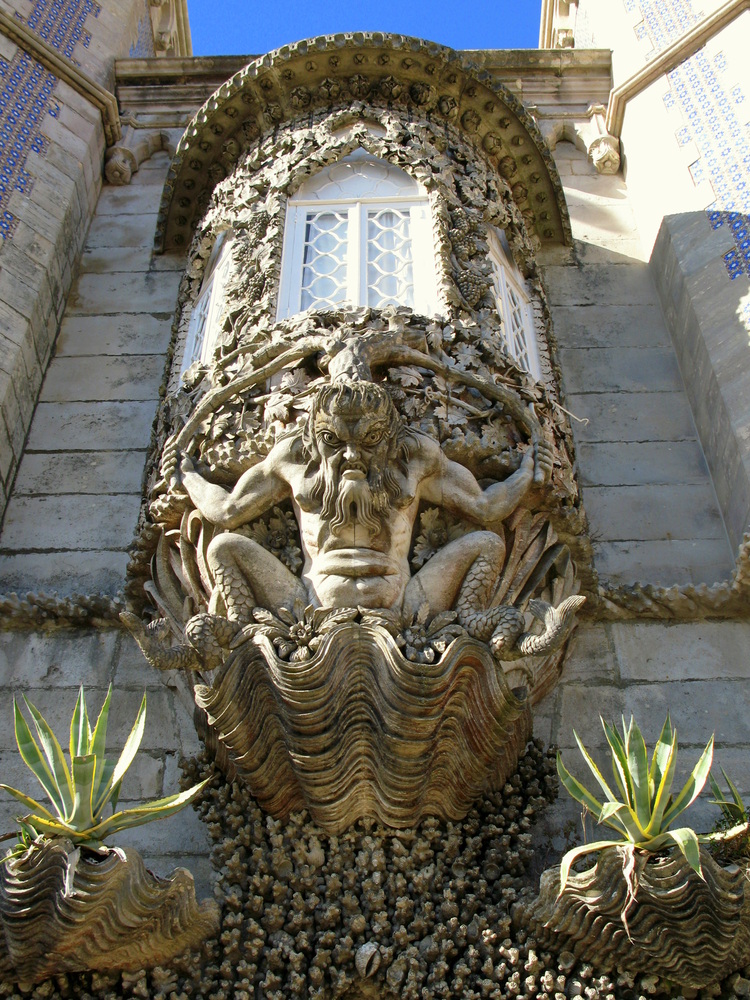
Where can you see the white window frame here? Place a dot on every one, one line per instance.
(508, 285)
(307, 202)
(206, 313)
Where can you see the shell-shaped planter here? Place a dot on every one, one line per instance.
(693, 931)
(358, 731)
(116, 915)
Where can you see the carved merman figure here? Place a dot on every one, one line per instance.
(356, 476)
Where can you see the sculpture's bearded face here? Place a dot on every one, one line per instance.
(352, 446)
(355, 431)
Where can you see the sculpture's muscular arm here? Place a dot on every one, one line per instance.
(256, 490)
(450, 485)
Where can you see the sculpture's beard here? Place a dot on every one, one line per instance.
(350, 500)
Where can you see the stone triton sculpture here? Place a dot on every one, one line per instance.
(356, 477)
(362, 511)
(363, 620)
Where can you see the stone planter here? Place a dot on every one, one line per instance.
(693, 931)
(65, 912)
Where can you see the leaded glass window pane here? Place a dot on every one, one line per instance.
(513, 307)
(390, 279)
(324, 267)
(358, 233)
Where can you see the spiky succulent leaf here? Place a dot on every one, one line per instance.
(80, 730)
(105, 792)
(594, 769)
(663, 776)
(619, 762)
(104, 767)
(621, 818)
(662, 755)
(158, 809)
(733, 810)
(29, 802)
(576, 852)
(692, 787)
(639, 775)
(34, 760)
(82, 816)
(55, 758)
(687, 841)
(127, 756)
(53, 828)
(97, 744)
(575, 789)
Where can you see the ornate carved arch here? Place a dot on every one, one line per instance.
(342, 72)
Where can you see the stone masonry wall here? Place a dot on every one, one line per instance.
(645, 483)
(50, 178)
(78, 492)
(75, 507)
(651, 506)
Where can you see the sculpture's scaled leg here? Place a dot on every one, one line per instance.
(247, 576)
(462, 575)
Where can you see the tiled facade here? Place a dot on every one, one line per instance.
(26, 95)
(713, 107)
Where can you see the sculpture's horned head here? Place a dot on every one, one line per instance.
(356, 439)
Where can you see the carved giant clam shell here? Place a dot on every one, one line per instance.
(117, 916)
(359, 731)
(693, 931)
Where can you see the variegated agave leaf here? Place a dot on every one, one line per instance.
(80, 792)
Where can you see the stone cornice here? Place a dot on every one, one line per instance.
(63, 68)
(378, 69)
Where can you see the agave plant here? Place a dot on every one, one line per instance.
(733, 809)
(645, 809)
(81, 792)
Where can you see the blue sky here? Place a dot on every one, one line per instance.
(238, 27)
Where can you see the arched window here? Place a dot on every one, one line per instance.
(204, 319)
(513, 304)
(358, 233)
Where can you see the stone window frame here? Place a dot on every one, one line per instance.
(354, 197)
(513, 299)
(205, 313)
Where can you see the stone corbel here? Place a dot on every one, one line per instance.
(136, 145)
(170, 28)
(603, 148)
(588, 133)
(557, 24)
